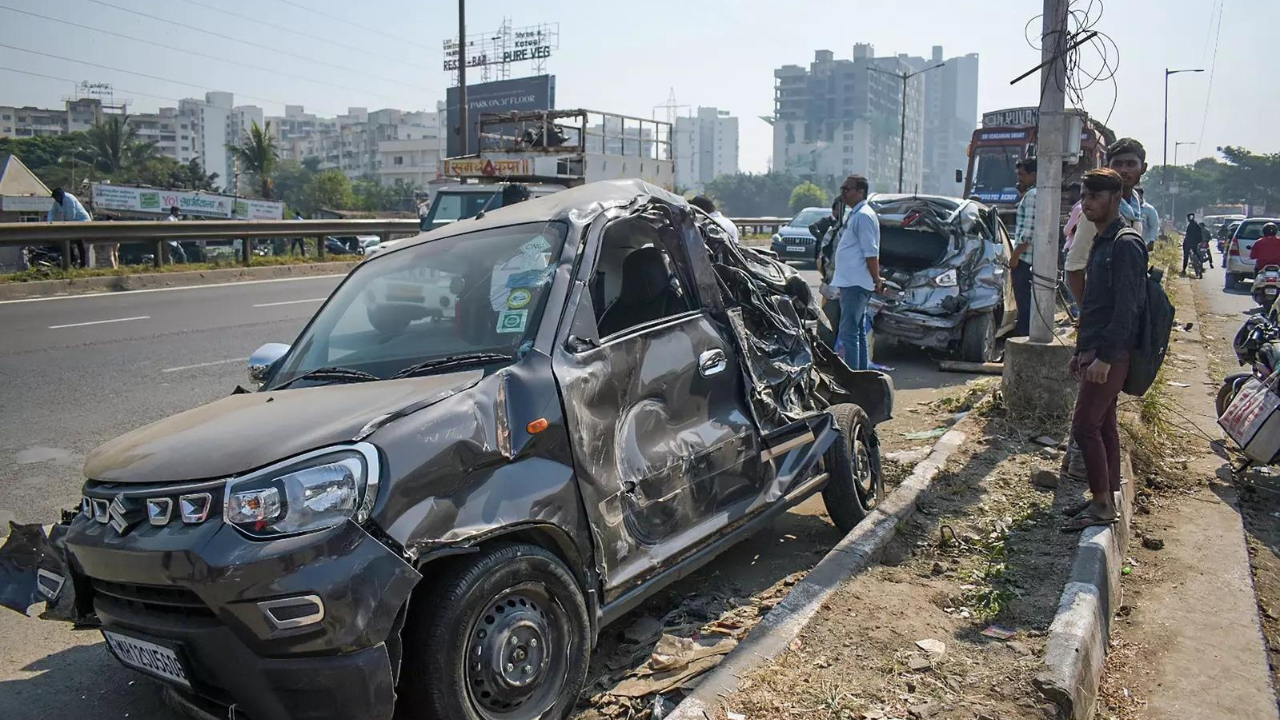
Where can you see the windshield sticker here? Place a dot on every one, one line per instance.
(512, 321)
(536, 246)
(519, 298)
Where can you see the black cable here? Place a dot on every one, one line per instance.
(197, 53)
(1222, 9)
(268, 48)
(127, 72)
(62, 79)
(286, 28)
(344, 21)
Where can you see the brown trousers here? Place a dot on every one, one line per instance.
(1095, 428)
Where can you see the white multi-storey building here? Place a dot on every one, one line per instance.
(706, 147)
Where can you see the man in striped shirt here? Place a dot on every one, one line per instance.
(1024, 245)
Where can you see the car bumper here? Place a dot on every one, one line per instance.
(919, 329)
(196, 590)
(786, 251)
(1236, 267)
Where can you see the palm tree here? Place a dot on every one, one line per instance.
(114, 146)
(258, 155)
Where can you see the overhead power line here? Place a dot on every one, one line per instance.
(197, 53)
(55, 77)
(268, 48)
(134, 72)
(1222, 9)
(286, 28)
(345, 21)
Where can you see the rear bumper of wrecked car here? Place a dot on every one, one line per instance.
(928, 330)
(200, 591)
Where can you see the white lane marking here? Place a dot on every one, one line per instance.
(205, 364)
(99, 322)
(290, 302)
(331, 276)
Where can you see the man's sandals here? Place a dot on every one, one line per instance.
(1084, 520)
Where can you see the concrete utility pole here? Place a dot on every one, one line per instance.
(1049, 156)
(462, 77)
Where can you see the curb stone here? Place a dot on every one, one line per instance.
(149, 281)
(857, 551)
(1076, 649)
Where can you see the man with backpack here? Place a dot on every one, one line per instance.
(1111, 313)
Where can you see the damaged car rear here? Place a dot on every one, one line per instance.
(434, 516)
(946, 263)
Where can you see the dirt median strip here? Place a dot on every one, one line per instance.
(854, 553)
(1076, 648)
(165, 280)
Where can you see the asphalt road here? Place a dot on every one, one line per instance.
(79, 371)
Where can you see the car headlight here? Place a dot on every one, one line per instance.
(946, 279)
(777, 238)
(319, 490)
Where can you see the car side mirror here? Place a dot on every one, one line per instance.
(263, 359)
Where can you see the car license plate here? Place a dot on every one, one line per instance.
(148, 657)
(797, 248)
(1271, 291)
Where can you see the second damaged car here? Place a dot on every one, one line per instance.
(946, 266)
(434, 517)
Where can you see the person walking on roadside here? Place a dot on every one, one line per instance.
(67, 208)
(1204, 243)
(176, 253)
(299, 243)
(1190, 241)
(704, 203)
(1024, 244)
(857, 270)
(1113, 299)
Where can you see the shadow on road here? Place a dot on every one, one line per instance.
(81, 681)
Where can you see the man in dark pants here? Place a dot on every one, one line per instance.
(1024, 243)
(1190, 241)
(1109, 314)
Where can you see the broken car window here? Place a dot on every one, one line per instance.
(481, 292)
(636, 279)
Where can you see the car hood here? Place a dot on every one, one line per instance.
(246, 431)
(788, 231)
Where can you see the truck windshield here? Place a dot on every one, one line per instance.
(995, 179)
(454, 206)
(463, 295)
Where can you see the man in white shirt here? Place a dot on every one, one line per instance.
(703, 203)
(857, 273)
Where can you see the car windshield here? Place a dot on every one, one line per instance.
(807, 218)
(480, 292)
(995, 179)
(454, 206)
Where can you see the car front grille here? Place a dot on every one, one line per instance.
(166, 600)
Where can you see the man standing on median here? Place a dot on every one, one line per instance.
(1109, 312)
(857, 270)
(1023, 245)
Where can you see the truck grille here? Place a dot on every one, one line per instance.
(161, 600)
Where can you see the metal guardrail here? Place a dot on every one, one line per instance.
(65, 233)
(751, 225)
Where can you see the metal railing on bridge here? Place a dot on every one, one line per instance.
(63, 234)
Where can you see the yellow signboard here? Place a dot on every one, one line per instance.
(487, 167)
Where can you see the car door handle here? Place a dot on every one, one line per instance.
(712, 362)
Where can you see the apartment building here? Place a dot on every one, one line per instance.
(706, 147)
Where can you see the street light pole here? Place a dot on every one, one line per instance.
(462, 77)
(902, 142)
(1164, 146)
(1173, 196)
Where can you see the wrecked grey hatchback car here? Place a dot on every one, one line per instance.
(946, 263)
(435, 515)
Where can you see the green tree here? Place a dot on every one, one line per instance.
(808, 195)
(114, 147)
(290, 179)
(165, 172)
(258, 156)
(330, 189)
(753, 194)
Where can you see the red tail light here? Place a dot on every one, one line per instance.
(1234, 249)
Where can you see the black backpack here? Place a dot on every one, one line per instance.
(1155, 324)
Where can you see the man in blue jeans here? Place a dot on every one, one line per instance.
(857, 272)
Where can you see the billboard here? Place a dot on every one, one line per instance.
(505, 46)
(191, 202)
(531, 93)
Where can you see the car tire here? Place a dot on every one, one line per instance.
(978, 342)
(504, 634)
(1231, 385)
(855, 485)
(1230, 282)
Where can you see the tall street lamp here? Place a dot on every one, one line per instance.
(902, 145)
(1164, 147)
(1173, 197)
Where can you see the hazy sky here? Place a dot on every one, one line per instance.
(626, 56)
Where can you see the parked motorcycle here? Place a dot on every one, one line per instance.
(1266, 286)
(1256, 344)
